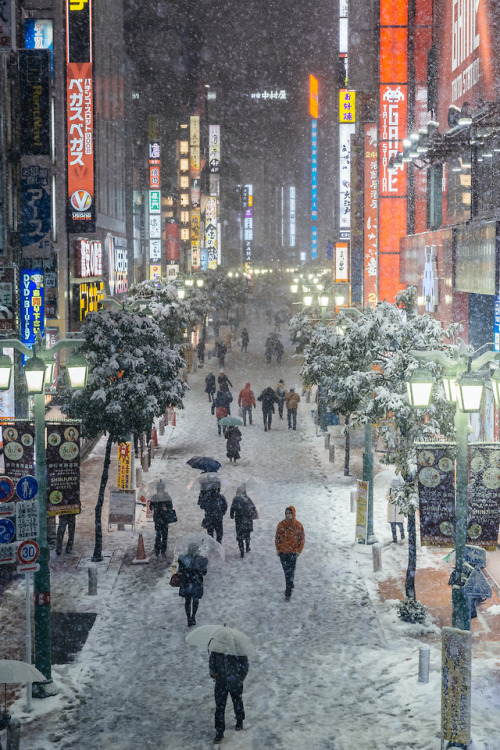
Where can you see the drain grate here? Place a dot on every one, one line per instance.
(69, 632)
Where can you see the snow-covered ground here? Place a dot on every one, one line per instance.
(334, 669)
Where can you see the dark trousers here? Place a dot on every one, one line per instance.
(247, 410)
(244, 346)
(291, 415)
(268, 418)
(215, 526)
(281, 401)
(191, 608)
(288, 563)
(221, 691)
(401, 530)
(65, 521)
(210, 396)
(161, 539)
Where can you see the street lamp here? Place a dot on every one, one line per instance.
(35, 374)
(464, 387)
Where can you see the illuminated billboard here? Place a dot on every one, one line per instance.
(313, 97)
(32, 310)
(370, 269)
(80, 117)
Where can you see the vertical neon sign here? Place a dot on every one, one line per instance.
(313, 111)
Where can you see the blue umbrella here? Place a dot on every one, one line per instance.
(204, 463)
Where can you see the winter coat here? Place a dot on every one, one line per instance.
(222, 401)
(292, 399)
(233, 437)
(246, 397)
(200, 348)
(268, 398)
(214, 505)
(192, 569)
(245, 338)
(210, 384)
(223, 380)
(290, 536)
(228, 670)
(279, 348)
(243, 511)
(161, 513)
(269, 346)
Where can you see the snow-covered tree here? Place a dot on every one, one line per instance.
(226, 294)
(384, 337)
(173, 315)
(133, 377)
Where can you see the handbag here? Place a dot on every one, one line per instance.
(175, 579)
(172, 516)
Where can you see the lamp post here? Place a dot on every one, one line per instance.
(35, 372)
(463, 386)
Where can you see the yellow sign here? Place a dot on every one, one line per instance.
(362, 512)
(123, 476)
(155, 272)
(313, 97)
(347, 106)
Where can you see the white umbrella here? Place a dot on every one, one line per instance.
(222, 639)
(12, 670)
(207, 479)
(199, 543)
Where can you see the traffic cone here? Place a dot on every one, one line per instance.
(154, 436)
(173, 418)
(141, 552)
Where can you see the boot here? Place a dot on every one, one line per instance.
(242, 550)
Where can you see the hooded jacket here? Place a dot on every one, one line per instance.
(268, 398)
(246, 397)
(290, 536)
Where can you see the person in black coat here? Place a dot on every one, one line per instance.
(215, 507)
(223, 381)
(244, 512)
(163, 511)
(210, 386)
(268, 398)
(192, 568)
(233, 437)
(200, 348)
(245, 340)
(229, 673)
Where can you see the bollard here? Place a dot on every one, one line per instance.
(308, 396)
(327, 440)
(162, 426)
(377, 558)
(354, 501)
(92, 581)
(138, 476)
(332, 453)
(166, 417)
(424, 655)
(13, 733)
(144, 462)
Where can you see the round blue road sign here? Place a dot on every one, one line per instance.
(6, 489)
(7, 531)
(27, 487)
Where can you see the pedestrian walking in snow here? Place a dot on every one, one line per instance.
(223, 381)
(268, 398)
(394, 517)
(233, 438)
(215, 507)
(245, 340)
(292, 401)
(66, 521)
(289, 541)
(246, 400)
(163, 515)
(244, 513)
(281, 393)
(220, 352)
(279, 350)
(229, 673)
(221, 408)
(210, 386)
(192, 568)
(268, 349)
(200, 348)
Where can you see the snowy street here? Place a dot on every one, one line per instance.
(333, 669)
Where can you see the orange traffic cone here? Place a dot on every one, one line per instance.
(173, 418)
(141, 552)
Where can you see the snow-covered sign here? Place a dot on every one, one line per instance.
(121, 507)
(27, 520)
(7, 553)
(362, 512)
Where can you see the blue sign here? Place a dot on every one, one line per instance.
(496, 338)
(314, 186)
(31, 294)
(39, 34)
(204, 259)
(7, 531)
(27, 487)
(6, 489)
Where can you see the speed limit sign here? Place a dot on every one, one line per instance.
(27, 552)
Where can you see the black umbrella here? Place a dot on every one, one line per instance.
(204, 463)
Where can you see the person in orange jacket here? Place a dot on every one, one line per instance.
(246, 400)
(289, 541)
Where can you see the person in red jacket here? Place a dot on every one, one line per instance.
(246, 400)
(289, 541)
